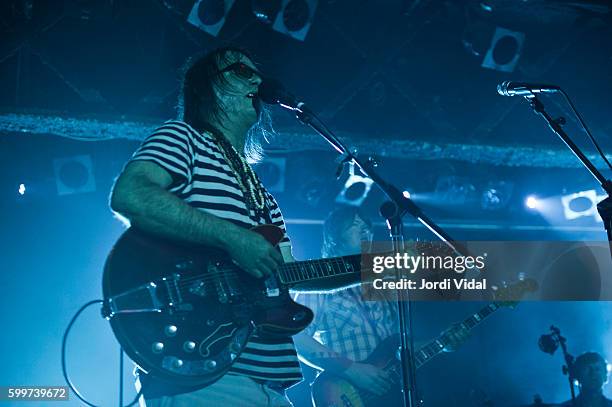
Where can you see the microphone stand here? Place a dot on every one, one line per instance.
(569, 362)
(568, 368)
(393, 211)
(604, 207)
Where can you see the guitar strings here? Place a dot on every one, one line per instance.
(288, 275)
(289, 269)
(232, 274)
(296, 269)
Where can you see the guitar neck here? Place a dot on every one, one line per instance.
(436, 346)
(301, 271)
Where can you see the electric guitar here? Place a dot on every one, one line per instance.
(184, 313)
(329, 390)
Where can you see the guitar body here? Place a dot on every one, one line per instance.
(329, 390)
(184, 313)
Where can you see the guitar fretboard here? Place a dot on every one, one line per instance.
(437, 345)
(292, 273)
(297, 272)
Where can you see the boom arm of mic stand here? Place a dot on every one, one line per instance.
(405, 205)
(604, 207)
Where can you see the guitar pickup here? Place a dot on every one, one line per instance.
(272, 289)
(139, 299)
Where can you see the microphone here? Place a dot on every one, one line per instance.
(508, 88)
(272, 92)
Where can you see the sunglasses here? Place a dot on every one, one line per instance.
(240, 69)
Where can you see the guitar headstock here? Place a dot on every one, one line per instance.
(510, 295)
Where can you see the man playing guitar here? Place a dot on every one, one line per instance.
(347, 328)
(190, 182)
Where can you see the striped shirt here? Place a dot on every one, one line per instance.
(202, 177)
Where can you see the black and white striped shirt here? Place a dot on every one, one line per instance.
(202, 177)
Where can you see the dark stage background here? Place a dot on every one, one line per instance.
(82, 81)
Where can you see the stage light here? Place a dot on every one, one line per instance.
(295, 18)
(505, 50)
(406, 194)
(580, 204)
(486, 7)
(74, 175)
(496, 195)
(210, 15)
(22, 189)
(531, 202)
(355, 190)
(265, 10)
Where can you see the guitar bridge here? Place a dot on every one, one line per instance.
(139, 299)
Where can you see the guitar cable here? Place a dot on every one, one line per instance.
(65, 370)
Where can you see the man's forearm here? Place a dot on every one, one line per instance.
(155, 210)
(320, 356)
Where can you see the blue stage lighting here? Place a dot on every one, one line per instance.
(531, 202)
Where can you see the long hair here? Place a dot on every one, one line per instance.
(198, 105)
(333, 227)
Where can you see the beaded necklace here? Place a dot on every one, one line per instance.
(247, 179)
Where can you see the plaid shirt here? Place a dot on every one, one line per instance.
(347, 324)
